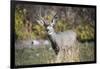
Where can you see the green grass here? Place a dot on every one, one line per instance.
(87, 52)
(44, 55)
(27, 56)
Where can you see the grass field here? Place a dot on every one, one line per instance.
(45, 54)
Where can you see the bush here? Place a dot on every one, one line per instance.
(85, 32)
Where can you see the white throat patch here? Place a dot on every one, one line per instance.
(50, 30)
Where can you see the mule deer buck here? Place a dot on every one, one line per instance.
(61, 42)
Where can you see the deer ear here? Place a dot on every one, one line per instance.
(40, 22)
(53, 22)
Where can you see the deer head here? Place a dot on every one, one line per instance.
(49, 25)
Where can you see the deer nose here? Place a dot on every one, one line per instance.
(47, 29)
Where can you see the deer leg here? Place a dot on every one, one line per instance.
(65, 54)
(60, 56)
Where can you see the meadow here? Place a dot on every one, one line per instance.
(46, 55)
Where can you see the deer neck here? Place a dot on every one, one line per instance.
(52, 38)
(51, 33)
(53, 42)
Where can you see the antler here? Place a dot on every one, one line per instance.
(40, 18)
(46, 22)
(53, 21)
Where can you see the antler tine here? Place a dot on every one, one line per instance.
(39, 14)
(40, 19)
(54, 13)
(53, 21)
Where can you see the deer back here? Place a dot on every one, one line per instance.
(65, 39)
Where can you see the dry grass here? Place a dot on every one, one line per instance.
(45, 55)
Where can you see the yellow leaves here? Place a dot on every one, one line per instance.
(20, 29)
(39, 31)
(61, 26)
(48, 18)
(85, 32)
